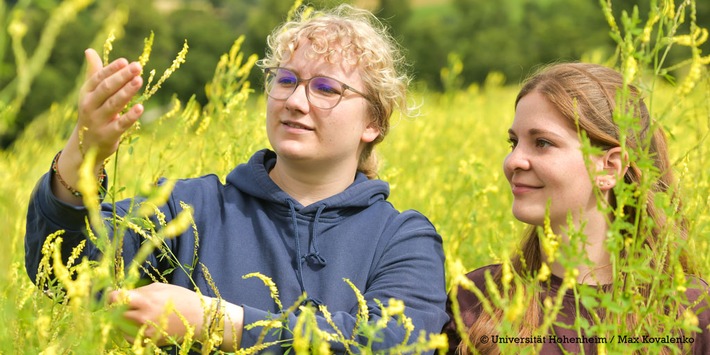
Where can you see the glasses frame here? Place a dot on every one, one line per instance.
(272, 70)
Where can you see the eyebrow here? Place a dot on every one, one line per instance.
(535, 132)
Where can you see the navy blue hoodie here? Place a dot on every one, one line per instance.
(250, 225)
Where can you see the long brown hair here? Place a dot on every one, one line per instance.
(587, 95)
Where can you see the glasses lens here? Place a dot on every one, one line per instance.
(325, 88)
(280, 83)
(322, 91)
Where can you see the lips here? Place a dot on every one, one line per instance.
(296, 125)
(520, 188)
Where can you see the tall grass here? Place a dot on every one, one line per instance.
(447, 163)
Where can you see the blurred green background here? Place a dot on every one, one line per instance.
(468, 58)
(479, 37)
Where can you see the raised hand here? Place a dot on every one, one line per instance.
(101, 122)
(105, 93)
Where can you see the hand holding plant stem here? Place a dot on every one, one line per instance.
(164, 312)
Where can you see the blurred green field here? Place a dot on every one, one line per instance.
(446, 163)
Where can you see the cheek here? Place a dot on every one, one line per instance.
(271, 108)
(575, 178)
(350, 121)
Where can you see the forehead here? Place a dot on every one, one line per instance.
(535, 111)
(308, 60)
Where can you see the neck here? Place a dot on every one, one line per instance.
(599, 270)
(309, 184)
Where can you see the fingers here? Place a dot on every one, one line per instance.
(151, 319)
(134, 301)
(129, 118)
(110, 89)
(104, 95)
(108, 103)
(95, 70)
(120, 297)
(131, 298)
(93, 62)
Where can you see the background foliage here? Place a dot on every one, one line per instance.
(446, 163)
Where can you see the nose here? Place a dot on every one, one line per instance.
(517, 159)
(298, 101)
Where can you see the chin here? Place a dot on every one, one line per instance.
(288, 149)
(290, 154)
(534, 217)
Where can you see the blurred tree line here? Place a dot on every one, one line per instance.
(468, 39)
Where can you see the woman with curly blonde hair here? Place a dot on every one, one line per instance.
(309, 214)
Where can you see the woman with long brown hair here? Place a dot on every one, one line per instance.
(586, 163)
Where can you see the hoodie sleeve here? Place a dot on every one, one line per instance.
(409, 266)
(46, 215)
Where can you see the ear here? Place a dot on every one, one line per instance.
(371, 132)
(613, 167)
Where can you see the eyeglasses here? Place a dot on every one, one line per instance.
(321, 91)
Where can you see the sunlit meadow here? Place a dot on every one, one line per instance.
(446, 163)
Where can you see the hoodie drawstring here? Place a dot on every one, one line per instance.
(312, 257)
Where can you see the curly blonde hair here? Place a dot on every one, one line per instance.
(346, 33)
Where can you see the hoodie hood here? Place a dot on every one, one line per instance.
(361, 194)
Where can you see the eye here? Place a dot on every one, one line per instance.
(325, 86)
(513, 142)
(282, 77)
(542, 143)
(286, 80)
